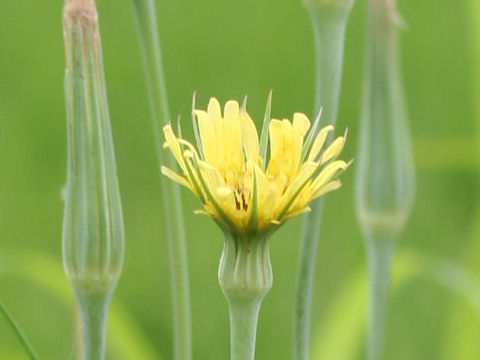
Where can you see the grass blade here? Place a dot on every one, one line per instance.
(18, 331)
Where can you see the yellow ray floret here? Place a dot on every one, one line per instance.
(229, 172)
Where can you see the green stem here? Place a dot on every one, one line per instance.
(243, 328)
(329, 25)
(245, 276)
(329, 37)
(18, 331)
(379, 254)
(93, 300)
(306, 267)
(145, 15)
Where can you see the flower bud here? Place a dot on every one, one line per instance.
(385, 184)
(93, 235)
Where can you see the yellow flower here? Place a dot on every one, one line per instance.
(230, 175)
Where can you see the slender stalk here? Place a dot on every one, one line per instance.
(243, 328)
(329, 24)
(93, 304)
(384, 184)
(306, 268)
(379, 252)
(18, 332)
(145, 15)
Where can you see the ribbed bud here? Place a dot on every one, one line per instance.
(245, 276)
(385, 171)
(245, 271)
(93, 234)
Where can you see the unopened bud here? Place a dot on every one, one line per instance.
(93, 235)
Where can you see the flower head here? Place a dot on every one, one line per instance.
(243, 190)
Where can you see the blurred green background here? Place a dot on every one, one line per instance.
(228, 49)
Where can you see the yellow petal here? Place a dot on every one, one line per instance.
(331, 186)
(292, 150)
(233, 152)
(300, 127)
(224, 192)
(301, 124)
(175, 177)
(298, 211)
(174, 146)
(211, 175)
(327, 174)
(334, 149)
(306, 172)
(215, 114)
(207, 136)
(231, 110)
(202, 212)
(250, 137)
(276, 147)
(319, 142)
(214, 110)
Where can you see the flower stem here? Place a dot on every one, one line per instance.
(329, 36)
(379, 254)
(243, 328)
(329, 23)
(93, 305)
(306, 267)
(146, 20)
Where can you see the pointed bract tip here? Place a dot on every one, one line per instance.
(244, 104)
(194, 98)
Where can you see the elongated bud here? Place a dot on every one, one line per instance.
(385, 171)
(93, 235)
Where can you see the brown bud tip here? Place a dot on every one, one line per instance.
(81, 10)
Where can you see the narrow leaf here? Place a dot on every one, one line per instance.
(18, 332)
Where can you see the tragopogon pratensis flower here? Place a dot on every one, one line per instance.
(229, 172)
